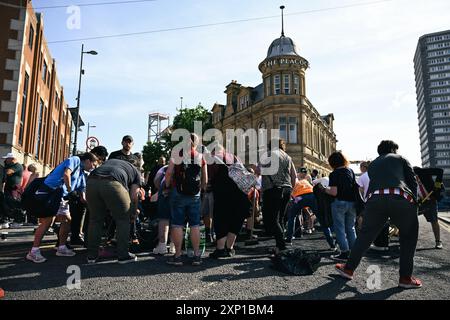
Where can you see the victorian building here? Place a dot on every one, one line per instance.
(280, 102)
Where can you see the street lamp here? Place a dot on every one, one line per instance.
(77, 117)
(88, 127)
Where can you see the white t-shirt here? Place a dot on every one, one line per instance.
(363, 182)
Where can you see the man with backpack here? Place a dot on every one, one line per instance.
(49, 201)
(186, 180)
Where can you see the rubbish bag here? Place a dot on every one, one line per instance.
(296, 262)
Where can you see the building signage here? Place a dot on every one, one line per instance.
(283, 61)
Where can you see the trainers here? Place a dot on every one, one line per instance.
(409, 283)
(376, 248)
(175, 261)
(334, 249)
(438, 245)
(92, 260)
(343, 256)
(36, 257)
(160, 249)
(343, 272)
(129, 258)
(197, 260)
(65, 252)
(77, 242)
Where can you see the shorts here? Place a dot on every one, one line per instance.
(430, 210)
(184, 206)
(207, 205)
(164, 210)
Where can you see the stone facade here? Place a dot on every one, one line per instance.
(280, 102)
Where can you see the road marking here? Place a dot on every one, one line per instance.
(444, 226)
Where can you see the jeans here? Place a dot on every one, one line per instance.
(306, 200)
(344, 217)
(182, 206)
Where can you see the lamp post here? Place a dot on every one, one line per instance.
(77, 117)
(88, 127)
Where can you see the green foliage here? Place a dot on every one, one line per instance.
(185, 120)
(152, 152)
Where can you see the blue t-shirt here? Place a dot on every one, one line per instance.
(77, 179)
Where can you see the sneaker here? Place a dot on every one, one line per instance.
(68, 246)
(376, 248)
(343, 272)
(15, 225)
(129, 258)
(92, 260)
(36, 257)
(77, 242)
(343, 256)
(172, 248)
(334, 249)
(409, 283)
(197, 260)
(288, 242)
(175, 261)
(438, 245)
(65, 252)
(160, 249)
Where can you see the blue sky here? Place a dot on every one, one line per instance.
(361, 62)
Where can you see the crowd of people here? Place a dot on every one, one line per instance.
(99, 200)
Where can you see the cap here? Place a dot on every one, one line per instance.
(303, 170)
(9, 156)
(127, 137)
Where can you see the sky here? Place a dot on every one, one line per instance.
(361, 61)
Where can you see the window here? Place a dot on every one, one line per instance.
(24, 107)
(44, 72)
(292, 130)
(31, 37)
(283, 125)
(267, 86)
(276, 88)
(288, 129)
(296, 85)
(287, 82)
(39, 127)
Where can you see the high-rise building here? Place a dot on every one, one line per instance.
(432, 71)
(35, 120)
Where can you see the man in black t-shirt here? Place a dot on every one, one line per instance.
(112, 187)
(125, 153)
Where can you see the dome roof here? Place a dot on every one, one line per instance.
(282, 46)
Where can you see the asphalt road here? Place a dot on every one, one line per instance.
(246, 276)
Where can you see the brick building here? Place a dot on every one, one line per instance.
(35, 120)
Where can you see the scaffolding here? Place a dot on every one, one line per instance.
(155, 128)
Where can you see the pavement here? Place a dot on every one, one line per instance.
(246, 276)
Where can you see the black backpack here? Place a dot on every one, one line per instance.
(188, 178)
(29, 201)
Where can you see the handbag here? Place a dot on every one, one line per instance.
(244, 179)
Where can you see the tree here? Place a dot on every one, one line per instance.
(152, 152)
(185, 120)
